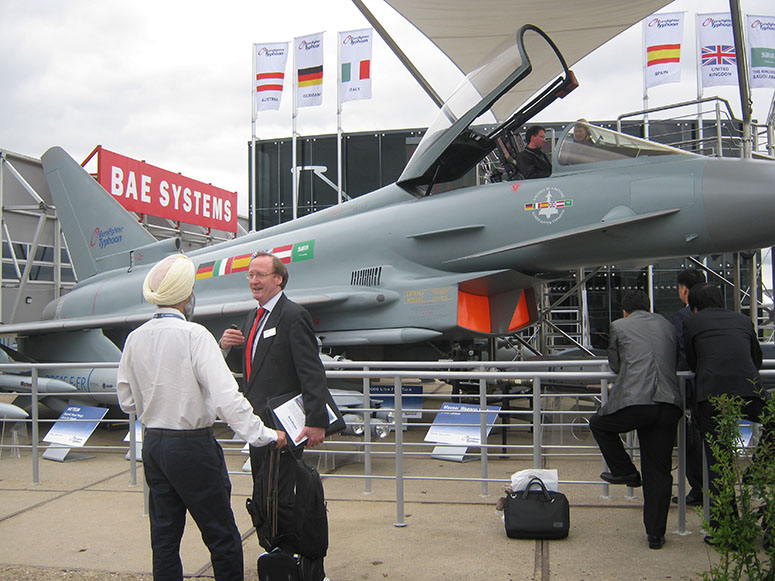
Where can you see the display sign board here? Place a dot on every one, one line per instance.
(411, 400)
(74, 426)
(147, 189)
(458, 426)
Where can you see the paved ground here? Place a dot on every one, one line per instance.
(85, 521)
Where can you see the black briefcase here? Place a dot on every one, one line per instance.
(278, 566)
(536, 513)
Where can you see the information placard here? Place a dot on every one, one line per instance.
(458, 424)
(73, 428)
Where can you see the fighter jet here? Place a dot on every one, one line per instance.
(422, 262)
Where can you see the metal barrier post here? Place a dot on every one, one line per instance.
(537, 427)
(682, 463)
(132, 451)
(367, 433)
(35, 428)
(399, 422)
(603, 400)
(483, 433)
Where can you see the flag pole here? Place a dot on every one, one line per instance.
(253, 123)
(645, 81)
(339, 119)
(698, 76)
(294, 114)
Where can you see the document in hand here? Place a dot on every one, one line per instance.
(288, 409)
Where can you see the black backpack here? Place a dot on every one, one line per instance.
(309, 534)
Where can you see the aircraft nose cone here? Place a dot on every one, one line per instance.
(739, 201)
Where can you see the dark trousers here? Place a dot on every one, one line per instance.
(694, 456)
(286, 526)
(656, 426)
(706, 417)
(185, 469)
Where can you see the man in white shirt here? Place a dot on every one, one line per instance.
(173, 376)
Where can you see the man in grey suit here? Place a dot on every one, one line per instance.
(646, 397)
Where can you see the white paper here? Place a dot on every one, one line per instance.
(292, 419)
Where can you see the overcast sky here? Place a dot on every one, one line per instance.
(170, 82)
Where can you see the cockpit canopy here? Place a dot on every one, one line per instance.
(584, 143)
(451, 147)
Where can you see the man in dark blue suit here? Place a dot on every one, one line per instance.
(277, 352)
(686, 279)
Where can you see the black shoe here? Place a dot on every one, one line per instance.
(656, 541)
(632, 480)
(709, 540)
(691, 499)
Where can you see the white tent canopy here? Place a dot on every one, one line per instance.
(467, 32)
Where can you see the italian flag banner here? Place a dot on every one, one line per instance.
(663, 34)
(309, 70)
(761, 44)
(270, 61)
(355, 64)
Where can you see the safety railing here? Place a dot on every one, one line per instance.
(533, 383)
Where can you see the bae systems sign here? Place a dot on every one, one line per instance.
(147, 189)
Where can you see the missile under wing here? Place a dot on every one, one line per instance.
(423, 261)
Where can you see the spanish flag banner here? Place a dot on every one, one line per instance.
(309, 70)
(663, 34)
(760, 31)
(355, 64)
(269, 74)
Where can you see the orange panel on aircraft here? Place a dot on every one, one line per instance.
(473, 312)
(521, 317)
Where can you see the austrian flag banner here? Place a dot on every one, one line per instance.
(147, 189)
(761, 44)
(717, 49)
(355, 63)
(663, 34)
(309, 70)
(270, 61)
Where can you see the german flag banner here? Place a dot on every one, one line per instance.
(309, 70)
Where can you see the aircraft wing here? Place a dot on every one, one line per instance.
(331, 296)
(467, 32)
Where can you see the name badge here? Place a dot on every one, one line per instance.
(270, 333)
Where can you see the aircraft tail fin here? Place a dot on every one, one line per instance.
(100, 233)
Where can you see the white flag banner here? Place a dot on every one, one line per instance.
(309, 70)
(355, 64)
(270, 61)
(717, 49)
(761, 44)
(663, 34)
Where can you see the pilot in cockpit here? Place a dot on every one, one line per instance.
(581, 133)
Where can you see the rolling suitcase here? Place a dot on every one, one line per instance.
(300, 557)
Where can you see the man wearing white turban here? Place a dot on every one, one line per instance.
(173, 376)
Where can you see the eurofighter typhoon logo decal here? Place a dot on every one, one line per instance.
(548, 205)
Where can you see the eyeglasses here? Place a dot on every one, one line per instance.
(252, 275)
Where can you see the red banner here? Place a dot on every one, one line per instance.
(147, 189)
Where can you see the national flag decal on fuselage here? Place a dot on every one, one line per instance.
(287, 253)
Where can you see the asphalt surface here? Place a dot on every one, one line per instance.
(85, 520)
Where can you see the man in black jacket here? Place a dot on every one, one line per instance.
(532, 161)
(724, 352)
(277, 352)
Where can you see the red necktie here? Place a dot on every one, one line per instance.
(249, 346)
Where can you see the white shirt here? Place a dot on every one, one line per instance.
(173, 376)
(270, 304)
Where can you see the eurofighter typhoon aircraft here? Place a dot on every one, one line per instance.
(420, 262)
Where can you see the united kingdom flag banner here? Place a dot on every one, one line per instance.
(718, 62)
